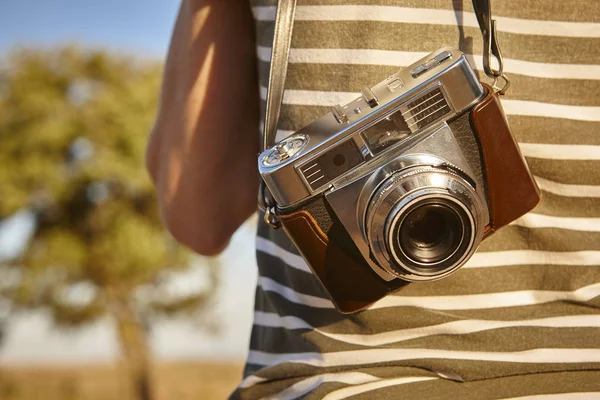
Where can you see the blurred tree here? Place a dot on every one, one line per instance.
(73, 128)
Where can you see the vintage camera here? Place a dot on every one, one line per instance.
(401, 184)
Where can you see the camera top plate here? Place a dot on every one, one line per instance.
(337, 144)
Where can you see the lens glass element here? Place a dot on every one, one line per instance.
(430, 233)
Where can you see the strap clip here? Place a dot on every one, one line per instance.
(266, 202)
(491, 48)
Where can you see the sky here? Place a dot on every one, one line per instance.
(139, 27)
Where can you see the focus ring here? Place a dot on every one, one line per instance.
(404, 190)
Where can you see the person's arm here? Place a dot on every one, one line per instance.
(203, 148)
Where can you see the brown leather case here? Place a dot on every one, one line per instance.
(350, 282)
(512, 190)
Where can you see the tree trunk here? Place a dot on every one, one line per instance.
(134, 344)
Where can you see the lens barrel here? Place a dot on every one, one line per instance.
(424, 223)
(430, 235)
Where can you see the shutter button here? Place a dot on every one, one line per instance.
(285, 149)
(429, 64)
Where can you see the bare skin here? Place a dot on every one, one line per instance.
(202, 150)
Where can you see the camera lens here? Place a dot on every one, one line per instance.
(430, 233)
(423, 224)
(430, 236)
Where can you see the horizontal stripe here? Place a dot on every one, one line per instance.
(529, 311)
(450, 302)
(479, 259)
(509, 238)
(250, 381)
(285, 341)
(506, 279)
(573, 172)
(528, 129)
(455, 327)
(471, 282)
(305, 386)
(490, 300)
(552, 10)
(272, 302)
(532, 257)
(263, 301)
(484, 260)
(559, 396)
(489, 387)
(526, 269)
(406, 58)
(349, 77)
(486, 371)
(382, 320)
(487, 340)
(576, 207)
(367, 387)
(563, 189)
(432, 17)
(501, 339)
(372, 356)
(273, 320)
(463, 327)
(299, 281)
(537, 109)
(532, 220)
(495, 387)
(560, 151)
(511, 107)
(514, 237)
(270, 285)
(426, 38)
(293, 260)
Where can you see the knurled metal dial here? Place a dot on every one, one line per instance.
(284, 150)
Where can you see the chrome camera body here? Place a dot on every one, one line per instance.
(396, 178)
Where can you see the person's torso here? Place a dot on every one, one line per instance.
(525, 309)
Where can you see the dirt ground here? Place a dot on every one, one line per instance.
(181, 381)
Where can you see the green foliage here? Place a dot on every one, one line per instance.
(73, 131)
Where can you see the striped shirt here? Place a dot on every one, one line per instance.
(522, 318)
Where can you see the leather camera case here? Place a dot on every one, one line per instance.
(510, 188)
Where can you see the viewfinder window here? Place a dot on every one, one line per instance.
(386, 132)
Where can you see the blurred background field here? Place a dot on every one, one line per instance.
(173, 380)
(96, 299)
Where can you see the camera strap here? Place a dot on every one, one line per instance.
(282, 38)
(284, 22)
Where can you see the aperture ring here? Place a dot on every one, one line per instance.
(404, 189)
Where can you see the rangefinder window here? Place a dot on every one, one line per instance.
(386, 132)
(428, 108)
(332, 164)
